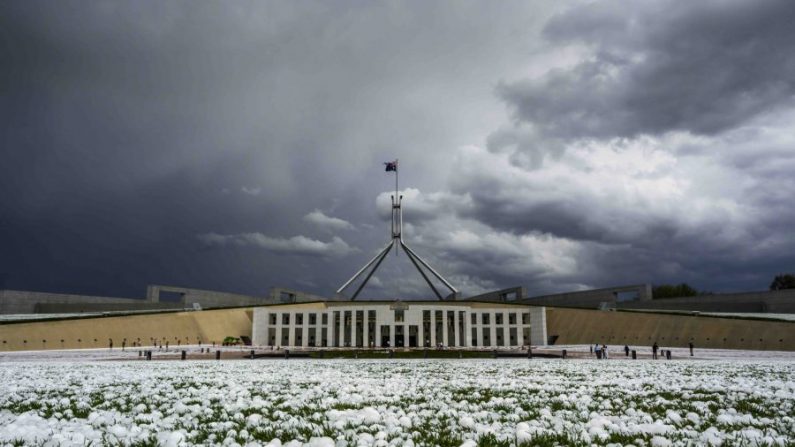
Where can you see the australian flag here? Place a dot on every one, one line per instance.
(391, 165)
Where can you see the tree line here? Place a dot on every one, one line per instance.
(780, 282)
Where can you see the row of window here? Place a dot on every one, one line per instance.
(395, 336)
(399, 316)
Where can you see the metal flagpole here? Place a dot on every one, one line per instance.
(397, 233)
(400, 210)
(359, 273)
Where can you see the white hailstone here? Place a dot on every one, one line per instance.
(673, 416)
(320, 442)
(469, 443)
(466, 422)
(78, 438)
(659, 441)
(523, 436)
(253, 420)
(174, 439)
(724, 419)
(370, 415)
(365, 439)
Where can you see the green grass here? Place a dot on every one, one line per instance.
(400, 354)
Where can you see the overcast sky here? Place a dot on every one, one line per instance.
(239, 146)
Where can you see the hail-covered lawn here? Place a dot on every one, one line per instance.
(400, 402)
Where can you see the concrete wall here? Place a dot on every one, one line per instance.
(510, 294)
(778, 301)
(76, 308)
(205, 298)
(584, 326)
(591, 298)
(24, 302)
(183, 327)
(281, 295)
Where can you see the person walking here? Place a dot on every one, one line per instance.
(598, 351)
(626, 350)
(691, 348)
(654, 349)
(604, 352)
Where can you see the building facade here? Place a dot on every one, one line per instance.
(399, 324)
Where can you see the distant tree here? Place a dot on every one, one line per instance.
(664, 291)
(783, 281)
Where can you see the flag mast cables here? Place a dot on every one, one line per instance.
(397, 242)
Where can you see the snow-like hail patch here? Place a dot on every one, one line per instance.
(399, 402)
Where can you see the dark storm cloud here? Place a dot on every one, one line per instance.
(702, 67)
(663, 154)
(131, 129)
(240, 146)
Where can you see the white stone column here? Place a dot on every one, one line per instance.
(329, 337)
(378, 319)
(421, 331)
(456, 329)
(464, 340)
(538, 326)
(291, 330)
(392, 335)
(493, 329)
(353, 328)
(479, 333)
(260, 323)
(305, 332)
(506, 330)
(445, 340)
(432, 329)
(341, 341)
(278, 340)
